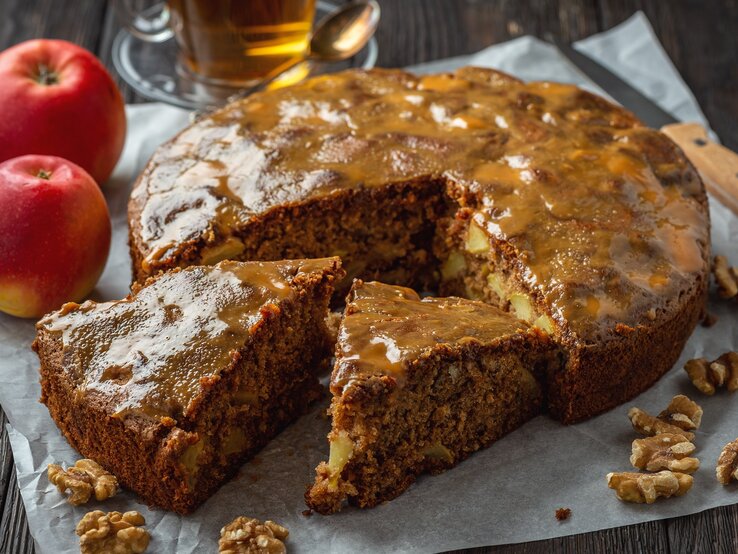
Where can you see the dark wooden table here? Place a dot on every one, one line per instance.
(701, 36)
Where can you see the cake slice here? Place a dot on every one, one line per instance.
(175, 386)
(418, 385)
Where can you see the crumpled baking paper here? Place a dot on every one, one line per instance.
(507, 493)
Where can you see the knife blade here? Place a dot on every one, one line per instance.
(717, 165)
(646, 109)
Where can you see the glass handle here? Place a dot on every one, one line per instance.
(150, 25)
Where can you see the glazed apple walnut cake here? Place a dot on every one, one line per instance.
(540, 198)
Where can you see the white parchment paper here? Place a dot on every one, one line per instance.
(507, 493)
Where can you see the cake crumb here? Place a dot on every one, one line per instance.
(307, 513)
(562, 514)
(709, 320)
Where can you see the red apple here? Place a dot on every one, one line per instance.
(57, 99)
(54, 234)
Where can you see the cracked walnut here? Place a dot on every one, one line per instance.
(708, 376)
(727, 464)
(112, 533)
(680, 417)
(647, 487)
(245, 535)
(664, 451)
(83, 479)
(726, 277)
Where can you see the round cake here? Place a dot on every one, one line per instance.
(538, 197)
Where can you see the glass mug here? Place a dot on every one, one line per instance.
(227, 42)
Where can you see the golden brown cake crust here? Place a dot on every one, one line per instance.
(601, 222)
(199, 368)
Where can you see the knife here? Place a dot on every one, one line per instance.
(717, 165)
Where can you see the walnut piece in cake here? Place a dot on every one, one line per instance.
(647, 487)
(83, 479)
(709, 376)
(664, 451)
(112, 533)
(727, 464)
(726, 277)
(245, 535)
(671, 420)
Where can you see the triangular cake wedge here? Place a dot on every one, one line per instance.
(420, 384)
(174, 387)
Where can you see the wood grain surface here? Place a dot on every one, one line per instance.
(700, 36)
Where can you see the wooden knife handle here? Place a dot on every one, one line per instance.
(717, 165)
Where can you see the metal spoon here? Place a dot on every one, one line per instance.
(342, 34)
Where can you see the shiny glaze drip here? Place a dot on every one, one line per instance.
(387, 326)
(147, 353)
(606, 216)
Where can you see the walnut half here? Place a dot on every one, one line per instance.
(664, 451)
(726, 277)
(112, 533)
(727, 464)
(245, 535)
(682, 412)
(681, 415)
(708, 376)
(82, 479)
(647, 487)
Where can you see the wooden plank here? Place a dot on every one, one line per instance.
(702, 40)
(77, 21)
(6, 461)
(14, 535)
(112, 23)
(710, 531)
(415, 31)
(646, 537)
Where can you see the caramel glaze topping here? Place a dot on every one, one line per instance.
(386, 326)
(147, 354)
(607, 218)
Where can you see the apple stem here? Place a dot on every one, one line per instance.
(46, 76)
(43, 174)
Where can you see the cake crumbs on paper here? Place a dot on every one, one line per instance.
(562, 514)
(709, 320)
